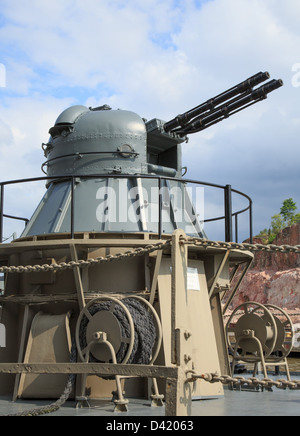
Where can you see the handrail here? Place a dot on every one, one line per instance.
(228, 216)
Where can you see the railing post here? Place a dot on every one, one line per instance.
(159, 208)
(251, 223)
(236, 228)
(228, 213)
(72, 207)
(1, 212)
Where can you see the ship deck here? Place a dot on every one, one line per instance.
(277, 402)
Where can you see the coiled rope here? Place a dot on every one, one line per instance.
(144, 339)
(144, 330)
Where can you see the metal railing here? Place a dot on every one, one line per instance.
(228, 217)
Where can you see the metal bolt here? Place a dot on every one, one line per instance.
(187, 358)
(187, 334)
(100, 336)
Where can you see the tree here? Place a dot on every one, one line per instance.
(277, 224)
(287, 217)
(296, 218)
(287, 211)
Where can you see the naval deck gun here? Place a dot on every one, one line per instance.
(111, 259)
(224, 105)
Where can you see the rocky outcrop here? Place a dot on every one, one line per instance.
(274, 278)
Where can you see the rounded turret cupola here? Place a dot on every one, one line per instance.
(96, 141)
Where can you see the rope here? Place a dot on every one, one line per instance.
(50, 408)
(144, 335)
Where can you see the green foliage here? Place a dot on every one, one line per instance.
(287, 217)
(296, 218)
(264, 235)
(277, 224)
(287, 211)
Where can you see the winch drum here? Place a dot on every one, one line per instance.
(285, 332)
(259, 325)
(108, 321)
(255, 325)
(104, 321)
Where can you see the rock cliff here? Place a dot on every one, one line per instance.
(274, 278)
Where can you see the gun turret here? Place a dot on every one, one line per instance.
(223, 105)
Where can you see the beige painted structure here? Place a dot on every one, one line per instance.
(183, 283)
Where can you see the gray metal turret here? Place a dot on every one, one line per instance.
(117, 161)
(111, 171)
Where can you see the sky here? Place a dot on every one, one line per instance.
(157, 58)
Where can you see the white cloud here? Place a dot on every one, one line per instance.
(157, 58)
(24, 125)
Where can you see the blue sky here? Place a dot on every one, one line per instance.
(158, 59)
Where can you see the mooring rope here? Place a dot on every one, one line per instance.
(50, 408)
(144, 339)
(144, 334)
